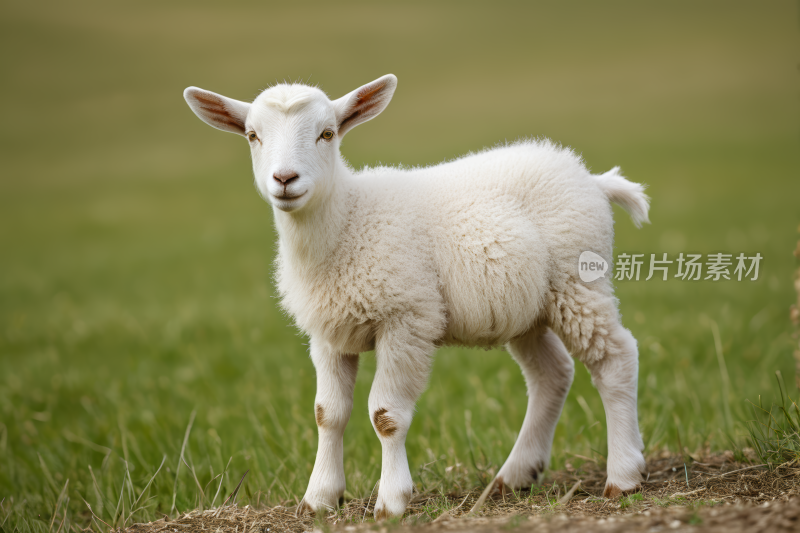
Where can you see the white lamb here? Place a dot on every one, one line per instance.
(481, 251)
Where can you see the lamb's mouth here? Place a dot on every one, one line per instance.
(287, 197)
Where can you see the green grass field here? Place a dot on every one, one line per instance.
(135, 274)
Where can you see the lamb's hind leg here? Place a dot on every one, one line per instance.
(615, 375)
(548, 370)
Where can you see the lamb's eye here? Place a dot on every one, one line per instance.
(252, 136)
(327, 135)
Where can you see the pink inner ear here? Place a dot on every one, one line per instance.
(214, 110)
(367, 98)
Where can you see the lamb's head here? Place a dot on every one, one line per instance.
(294, 133)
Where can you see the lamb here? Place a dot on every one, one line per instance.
(480, 251)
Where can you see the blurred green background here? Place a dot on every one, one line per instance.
(136, 264)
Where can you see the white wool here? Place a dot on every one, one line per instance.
(627, 194)
(479, 251)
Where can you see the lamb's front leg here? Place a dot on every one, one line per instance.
(336, 378)
(404, 362)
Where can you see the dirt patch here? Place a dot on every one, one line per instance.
(775, 517)
(709, 495)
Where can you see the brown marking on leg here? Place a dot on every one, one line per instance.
(319, 414)
(383, 424)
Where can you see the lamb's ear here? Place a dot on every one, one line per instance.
(364, 103)
(216, 110)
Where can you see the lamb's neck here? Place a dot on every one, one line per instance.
(308, 237)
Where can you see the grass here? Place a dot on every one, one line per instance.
(628, 501)
(774, 433)
(713, 483)
(144, 362)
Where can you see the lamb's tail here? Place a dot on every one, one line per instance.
(627, 194)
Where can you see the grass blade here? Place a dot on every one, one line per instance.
(144, 490)
(178, 468)
(220, 481)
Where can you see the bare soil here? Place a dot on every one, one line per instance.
(715, 494)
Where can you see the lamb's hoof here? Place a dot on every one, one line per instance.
(612, 492)
(497, 486)
(382, 514)
(303, 508)
(500, 487)
(522, 476)
(312, 504)
(392, 507)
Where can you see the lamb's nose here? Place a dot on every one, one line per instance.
(284, 177)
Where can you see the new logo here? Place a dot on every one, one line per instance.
(591, 267)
